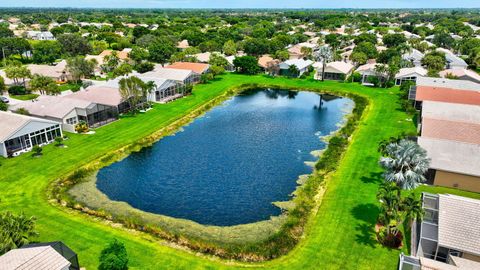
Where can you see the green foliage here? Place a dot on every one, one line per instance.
(367, 48)
(44, 84)
(17, 73)
(216, 70)
(81, 127)
(144, 67)
(365, 37)
(17, 90)
(161, 50)
(246, 64)
(3, 106)
(80, 68)
(394, 40)
(359, 58)
(122, 70)
(3, 87)
(218, 60)
(46, 51)
(434, 62)
(15, 231)
(58, 141)
(73, 44)
(37, 150)
(114, 257)
(229, 48)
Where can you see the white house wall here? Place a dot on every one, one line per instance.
(30, 127)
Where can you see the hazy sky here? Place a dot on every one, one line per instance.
(245, 3)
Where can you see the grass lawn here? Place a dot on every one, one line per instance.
(69, 86)
(339, 236)
(25, 97)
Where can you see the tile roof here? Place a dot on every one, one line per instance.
(198, 68)
(451, 111)
(415, 71)
(168, 73)
(53, 106)
(99, 94)
(12, 122)
(451, 130)
(448, 83)
(459, 223)
(339, 67)
(33, 258)
(447, 95)
(458, 72)
(452, 156)
(52, 71)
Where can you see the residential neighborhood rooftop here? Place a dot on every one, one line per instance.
(33, 258)
(198, 68)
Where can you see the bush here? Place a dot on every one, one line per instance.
(3, 106)
(58, 141)
(356, 77)
(144, 67)
(114, 257)
(37, 150)
(81, 127)
(17, 90)
(22, 111)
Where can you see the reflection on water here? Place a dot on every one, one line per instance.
(227, 167)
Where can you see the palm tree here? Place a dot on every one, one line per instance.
(405, 164)
(324, 54)
(15, 231)
(132, 90)
(389, 197)
(412, 207)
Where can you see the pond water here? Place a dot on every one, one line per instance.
(227, 167)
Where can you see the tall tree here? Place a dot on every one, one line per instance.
(73, 44)
(44, 84)
(230, 48)
(161, 50)
(46, 51)
(132, 90)
(17, 73)
(114, 257)
(80, 68)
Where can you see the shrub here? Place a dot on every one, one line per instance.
(22, 111)
(37, 150)
(17, 90)
(144, 67)
(114, 257)
(81, 127)
(3, 106)
(58, 141)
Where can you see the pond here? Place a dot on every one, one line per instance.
(228, 166)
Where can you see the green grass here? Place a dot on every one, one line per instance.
(25, 97)
(339, 235)
(70, 86)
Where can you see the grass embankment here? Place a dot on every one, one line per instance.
(338, 236)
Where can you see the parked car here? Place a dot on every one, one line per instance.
(4, 100)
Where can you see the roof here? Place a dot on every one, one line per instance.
(414, 71)
(447, 95)
(448, 83)
(121, 54)
(414, 55)
(183, 44)
(451, 130)
(452, 59)
(99, 94)
(265, 59)
(33, 258)
(299, 63)
(339, 67)
(459, 223)
(458, 72)
(168, 73)
(195, 67)
(452, 156)
(53, 106)
(12, 122)
(52, 71)
(451, 111)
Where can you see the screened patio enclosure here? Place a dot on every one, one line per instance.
(99, 115)
(25, 142)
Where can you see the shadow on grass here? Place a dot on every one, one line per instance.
(373, 178)
(365, 231)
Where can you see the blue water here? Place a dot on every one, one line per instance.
(227, 167)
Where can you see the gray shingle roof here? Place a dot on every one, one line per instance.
(459, 223)
(33, 258)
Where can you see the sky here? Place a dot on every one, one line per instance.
(244, 3)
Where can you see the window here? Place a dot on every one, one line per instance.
(72, 121)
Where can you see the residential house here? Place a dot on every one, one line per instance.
(198, 68)
(368, 71)
(296, 50)
(183, 76)
(337, 71)
(57, 72)
(268, 64)
(19, 133)
(302, 66)
(450, 133)
(122, 55)
(461, 74)
(414, 56)
(453, 61)
(69, 111)
(51, 256)
(409, 74)
(40, 35)
(183, 44)
(448, 237)
(445, 90)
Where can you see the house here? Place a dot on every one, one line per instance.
(165, 90)
(414, 56)
(40, 35)
(296, 50)
(19, 133)
(107, 95)
(52, 256)
(302, 66)
(453, 61)
(69, 111)
(461, 74)
(268, 64)
(57, 72)
(182, 76)
(337, 71)
(448, 237)
(450, 133)
(369, 70)
(445, 90)
(122, 55)
(409, 74)
(183, 44)
(198, 68)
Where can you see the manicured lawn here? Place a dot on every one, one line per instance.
(25, 97)
(339, 236)
(69, 86)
